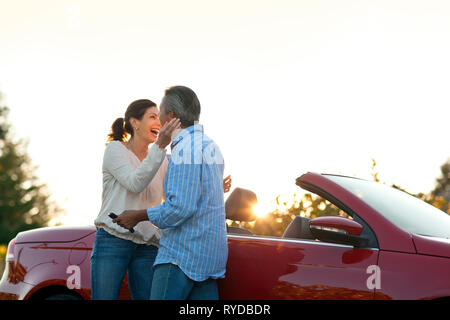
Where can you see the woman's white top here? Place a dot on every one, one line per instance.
(129, 184)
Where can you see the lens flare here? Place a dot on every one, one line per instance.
(260, 211)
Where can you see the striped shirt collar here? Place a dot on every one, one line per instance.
(186, 131)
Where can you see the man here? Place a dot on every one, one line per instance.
(193, 247)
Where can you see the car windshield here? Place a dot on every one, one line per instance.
(405, 211)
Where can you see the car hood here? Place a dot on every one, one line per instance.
(54, 234)
(432, 245)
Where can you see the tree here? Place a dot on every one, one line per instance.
(443, 182)
(374, 171)
(24, 202)
(439, 197)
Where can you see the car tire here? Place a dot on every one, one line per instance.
(63, 296)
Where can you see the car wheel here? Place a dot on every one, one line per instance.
(63, 296)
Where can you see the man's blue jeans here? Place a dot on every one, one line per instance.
(111, 258)
(170, 283)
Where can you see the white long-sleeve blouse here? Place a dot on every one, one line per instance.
(129, 184)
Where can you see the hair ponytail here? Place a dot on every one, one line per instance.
(117, 132)
(121, 128)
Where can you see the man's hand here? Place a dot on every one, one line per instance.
(129, 218)
(226, 184)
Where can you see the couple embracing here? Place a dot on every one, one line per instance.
(170, 235)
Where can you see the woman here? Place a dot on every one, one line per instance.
(133, 177)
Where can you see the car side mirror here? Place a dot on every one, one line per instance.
(337, 229)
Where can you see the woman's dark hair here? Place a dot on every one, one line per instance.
(121, 127)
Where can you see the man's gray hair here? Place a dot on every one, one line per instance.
(184, 103)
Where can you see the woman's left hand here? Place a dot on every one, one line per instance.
(226, 184)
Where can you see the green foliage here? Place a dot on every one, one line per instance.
(443, 182)
(24, 202)
(440, 196)
(3, 249)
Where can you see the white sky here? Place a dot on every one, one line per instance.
(286, 87)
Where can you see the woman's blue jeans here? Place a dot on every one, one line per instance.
(111, 258)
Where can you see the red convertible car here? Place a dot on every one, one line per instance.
(390, 246)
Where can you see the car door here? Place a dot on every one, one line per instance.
(277, 268)
(261, 267)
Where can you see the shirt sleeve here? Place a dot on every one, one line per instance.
(183, 189)
(133, 179)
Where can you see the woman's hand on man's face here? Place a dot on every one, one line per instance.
(165, 133)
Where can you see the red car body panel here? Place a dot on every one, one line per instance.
(432, 246)
(60, 234)
(411, 266)
(259, 268)
(407, 276)
(45, 264)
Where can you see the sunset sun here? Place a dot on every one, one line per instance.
(260, 211)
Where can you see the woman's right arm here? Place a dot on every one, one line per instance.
(136, 180)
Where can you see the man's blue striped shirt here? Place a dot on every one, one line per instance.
(192, 219)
